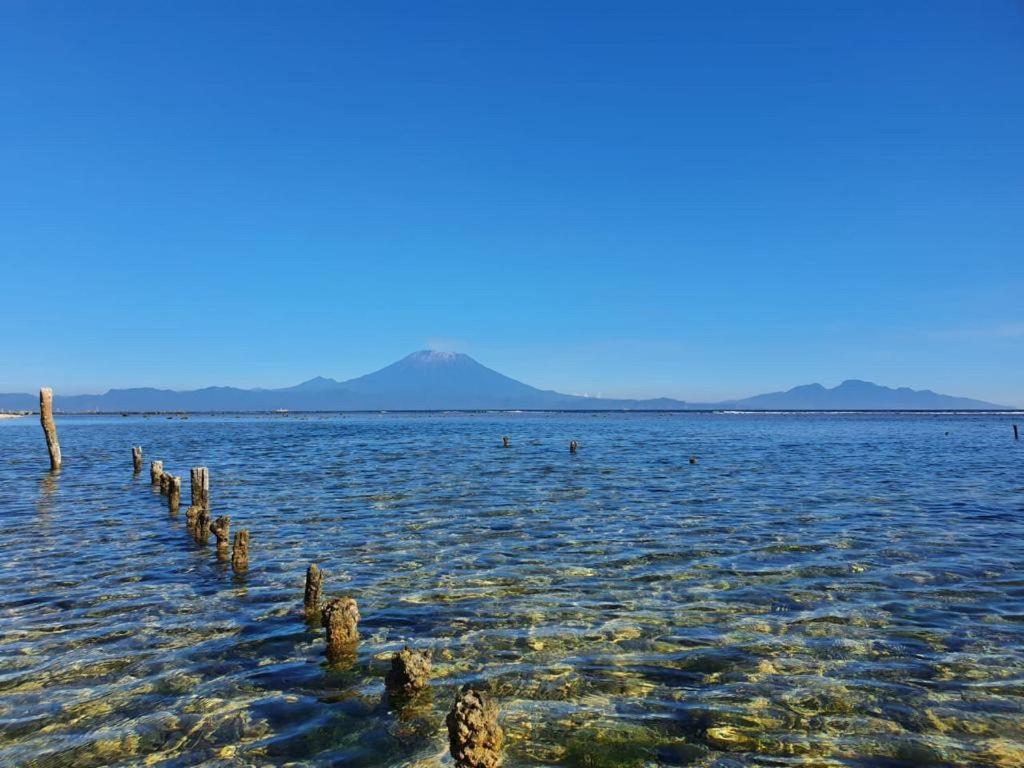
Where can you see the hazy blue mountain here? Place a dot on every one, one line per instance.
(854, 394)
(422, 381)
(450, 381)
(18, 401)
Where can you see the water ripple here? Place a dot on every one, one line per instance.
(838, 590)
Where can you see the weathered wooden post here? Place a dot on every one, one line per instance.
(573, 445)
(504, 442)
(49, 426)
(341, 619)
(410, 672)
(474, 736)
(201, 532)
(165, 483)
(156, 468)
(221, 528)
(240, 552)
(173, 494)
(314, 586)
(200, 479)
(137, 458)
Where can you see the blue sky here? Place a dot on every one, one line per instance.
(701, 199)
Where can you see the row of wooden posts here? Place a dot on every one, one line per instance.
(197, 517)
(475, 737)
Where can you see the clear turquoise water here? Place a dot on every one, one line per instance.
(818, 590)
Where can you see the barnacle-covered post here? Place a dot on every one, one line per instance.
(165, 483)
(240, 552)
(314, 586)
(474, 736)
(137, 458)
(410, 672)
(221, 528)
(49, 427)
(156, 468)
(341, 623)
(201, 532)
(191, 514)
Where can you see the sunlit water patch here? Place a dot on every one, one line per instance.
(840, 590)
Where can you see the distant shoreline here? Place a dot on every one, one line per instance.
(513, 411)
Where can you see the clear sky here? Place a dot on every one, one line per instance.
(700, 199)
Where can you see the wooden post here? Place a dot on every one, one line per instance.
(410, 672)
(173, 494)
(314, 586)
(240, 552)
(573, 445)
(200, 487)
(165, 483)
(156, 468)
(221, 528)
(201, 532)
(49, 427)
(504, 442)
(341, 619)
(191, 514)
(137, 458)
(474, 736)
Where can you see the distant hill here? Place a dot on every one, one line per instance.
(854, 394)
(449, 381)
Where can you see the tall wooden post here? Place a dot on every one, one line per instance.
(156, 468)
(173, 494)
(200, 479)
(137, 458)
(49, 427)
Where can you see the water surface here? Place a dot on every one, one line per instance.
(826, 590)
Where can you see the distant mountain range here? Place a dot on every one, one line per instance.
(857, 395)
(450, 381)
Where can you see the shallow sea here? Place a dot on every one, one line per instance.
(820, 590)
